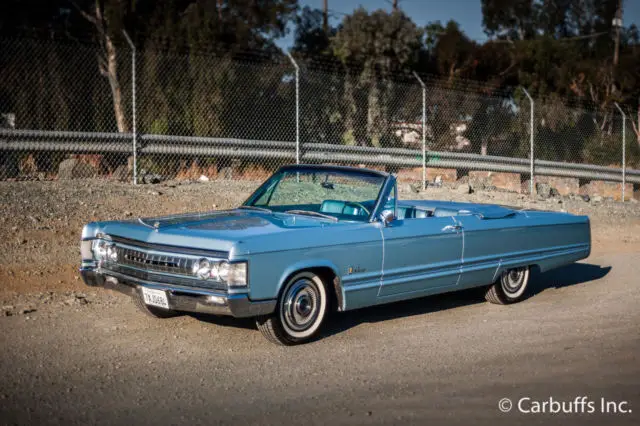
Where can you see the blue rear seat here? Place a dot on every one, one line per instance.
(441, 212)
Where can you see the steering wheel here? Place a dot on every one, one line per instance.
(357, 205)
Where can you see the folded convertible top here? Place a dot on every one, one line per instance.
(484, 211)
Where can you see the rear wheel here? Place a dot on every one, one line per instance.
(152, 311)
(510, 287)
(300, 312)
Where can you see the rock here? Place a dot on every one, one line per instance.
(27, 311)
(154, 192)
(563, 185)
(477, 185)
(226, 173)
(597, 199)
(554, 192)
(543, 190)
(414, 189)
(151, 178)
(585, 198)
(203, 178)
(72, 168)
(122, 174)
(464, 189)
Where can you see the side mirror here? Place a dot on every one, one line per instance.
(386, 217)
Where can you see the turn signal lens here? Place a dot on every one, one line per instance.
(237, 274)
(85, 249)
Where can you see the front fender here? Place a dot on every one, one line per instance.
(310, 264)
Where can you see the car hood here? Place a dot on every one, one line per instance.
(220, 230)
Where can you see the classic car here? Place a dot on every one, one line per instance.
(314, 239)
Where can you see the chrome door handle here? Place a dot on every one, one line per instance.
(451, 228)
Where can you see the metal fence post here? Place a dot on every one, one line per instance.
(531, 161)
(133, 106)
(624, 148)
(424, 130)
(295, 64)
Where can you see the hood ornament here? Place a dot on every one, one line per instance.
(155, 225)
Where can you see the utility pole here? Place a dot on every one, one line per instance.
(617, 23)
(395, 5)
(325, 16)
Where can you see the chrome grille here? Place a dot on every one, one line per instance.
(167, 279)
(150, 262)
(154, 262)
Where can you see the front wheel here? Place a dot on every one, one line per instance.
(510, 287)
(300, 312)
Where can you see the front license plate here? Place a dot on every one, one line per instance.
(155, 297)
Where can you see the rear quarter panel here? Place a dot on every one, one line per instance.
(543, 239)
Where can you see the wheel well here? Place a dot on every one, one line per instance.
(331, 281)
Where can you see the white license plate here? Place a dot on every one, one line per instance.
(155, 297)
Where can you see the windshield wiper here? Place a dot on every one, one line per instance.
(312, 213)
(260, 209)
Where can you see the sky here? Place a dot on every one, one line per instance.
(467, 13)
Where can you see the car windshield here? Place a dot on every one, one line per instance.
(320, 192)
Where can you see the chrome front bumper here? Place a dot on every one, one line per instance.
(186, 299)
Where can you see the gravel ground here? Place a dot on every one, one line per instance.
(72, 354)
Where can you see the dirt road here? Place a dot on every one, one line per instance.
(87, 356)
(443, 359)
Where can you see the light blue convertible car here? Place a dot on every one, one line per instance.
(313, 239)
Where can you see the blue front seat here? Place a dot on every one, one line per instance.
(332, 206)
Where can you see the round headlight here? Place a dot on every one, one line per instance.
(101, 249)
(201, 268)
(223, 270)
(112, 253)
(215, 271)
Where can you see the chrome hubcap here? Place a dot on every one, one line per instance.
(301, 305)
(513, 280)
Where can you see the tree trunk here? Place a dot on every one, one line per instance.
(350, 107)
(373, 114)
(484, 145)
(107, 61)
(116, 91)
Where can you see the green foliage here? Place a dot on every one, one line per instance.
(212, 68)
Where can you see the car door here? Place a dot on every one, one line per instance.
(420, 255)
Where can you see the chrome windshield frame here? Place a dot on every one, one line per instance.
(383, 192)
(388, 186)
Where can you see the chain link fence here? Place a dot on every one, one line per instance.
(66, 110)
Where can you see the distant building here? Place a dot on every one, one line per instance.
(410, 133)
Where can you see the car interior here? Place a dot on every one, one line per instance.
(404, 212)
